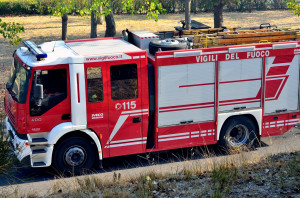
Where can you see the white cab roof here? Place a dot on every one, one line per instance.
(60, 52)
(102, 47)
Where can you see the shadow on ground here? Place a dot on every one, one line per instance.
(23, 173)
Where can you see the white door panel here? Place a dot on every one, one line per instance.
(185, 93)
(240, 84)
(282, 84)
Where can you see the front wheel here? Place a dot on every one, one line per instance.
(74, 155)
(238, 132)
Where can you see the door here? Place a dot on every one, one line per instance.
(125, 113)
(97, 101)
(281, 94)
(282, 84)
(53, 107)
(186, 94)
(240, 83)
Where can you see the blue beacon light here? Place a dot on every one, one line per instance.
(33, 48)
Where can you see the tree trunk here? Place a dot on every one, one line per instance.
(194, 6)
(218, 14)
(93, 23)
(110, 23)
(188, 14)
(100, 18)
(64, 27)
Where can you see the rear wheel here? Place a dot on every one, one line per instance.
(238, 133)
(74, 155)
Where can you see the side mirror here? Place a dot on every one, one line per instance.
(38, 94)
(38, 91)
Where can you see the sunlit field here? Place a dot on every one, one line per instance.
(47, 28)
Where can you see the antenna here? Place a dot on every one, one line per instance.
(54, 46)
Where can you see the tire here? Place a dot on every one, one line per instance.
(238, 133)
(74, 155)
(167, 45)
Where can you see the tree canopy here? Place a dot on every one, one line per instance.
(10, 31)
(90, 8)
(294, 5)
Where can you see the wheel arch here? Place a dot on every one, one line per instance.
(66, 130)
(254, 115)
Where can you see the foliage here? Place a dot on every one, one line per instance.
(18, 7)
(62, 7)
(5, 159)
(89, 7)
(294, 5)
(10, 31)
(224, 176)
(152, 8)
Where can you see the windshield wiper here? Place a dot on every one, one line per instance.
(13, 95)
(8, 87)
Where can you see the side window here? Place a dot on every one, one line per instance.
(94, 84)
(52, 89)
(124, 82)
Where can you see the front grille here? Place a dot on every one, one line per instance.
(10, 116)
(11, 135)
(20, 136)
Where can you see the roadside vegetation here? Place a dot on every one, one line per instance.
(273, 176)
(276, 175)
(4, 150)
(6, 159)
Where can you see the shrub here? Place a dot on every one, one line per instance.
(19, 7)
(5, 150)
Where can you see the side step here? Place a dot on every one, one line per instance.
(37, 164)
(39, 151)
(39, 141)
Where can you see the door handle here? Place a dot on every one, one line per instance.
(136, 119)
(66, 117)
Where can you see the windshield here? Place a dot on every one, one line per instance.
(18, 82)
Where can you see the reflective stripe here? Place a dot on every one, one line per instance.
(170, 135)
(126, 144)
(176, 138)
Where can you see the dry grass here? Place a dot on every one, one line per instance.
(239, 174)
(273, 176)
(46, 28)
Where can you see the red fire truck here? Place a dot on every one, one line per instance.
(72, 103)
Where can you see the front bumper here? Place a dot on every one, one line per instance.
(19, 146)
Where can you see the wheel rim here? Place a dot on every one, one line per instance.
(75, 156)
(169, 42)
(238, 135)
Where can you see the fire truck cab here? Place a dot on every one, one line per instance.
(81, 94)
